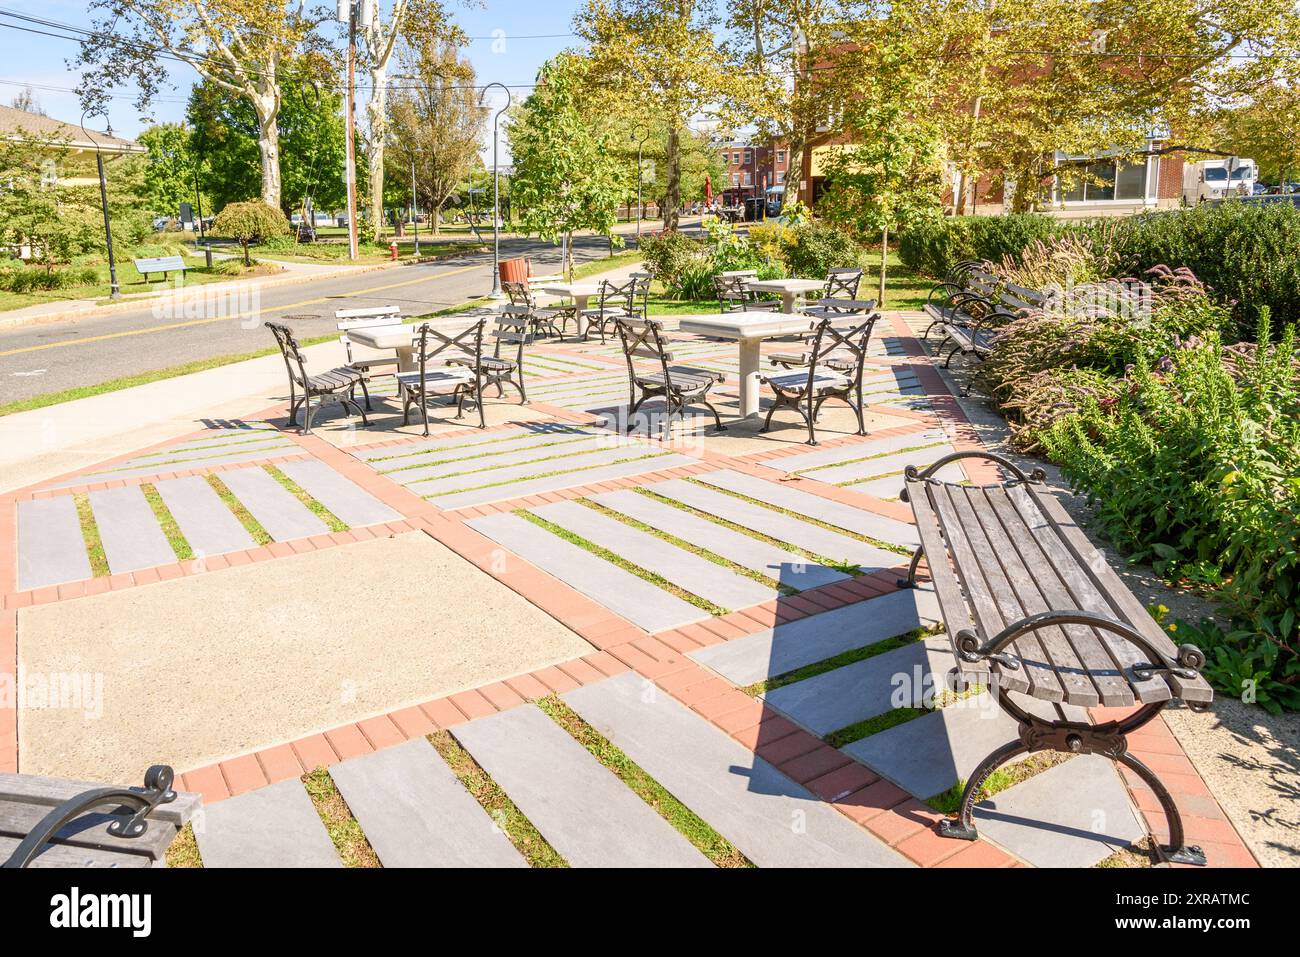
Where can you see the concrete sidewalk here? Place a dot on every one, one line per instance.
(44, 443)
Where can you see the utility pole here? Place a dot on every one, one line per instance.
(114, 291)
(350, 11)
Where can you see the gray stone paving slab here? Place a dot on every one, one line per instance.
(275, 826)
(177, 459)
(274, 507)
(635, 599)
(885, 465)
(582, 809)
(932, 753)
(415, 813)
(772, 820)
(235, 438)
(51, 549)
(427, 465)
(228, 458)
(777, 651)
(349, 502)
(555, 448)
(551, 483)
(789, 496)
(205, 521)
(905, 677)
(487, 439)
(1072, 815)
(857, 450)
(815, 539)
(699, 576)
(785, 567)
(555, 460)
(130, 533)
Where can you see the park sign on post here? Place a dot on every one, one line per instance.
(187, 216)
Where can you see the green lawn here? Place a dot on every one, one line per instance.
(334, 252)
(904, 289)
(130, 281)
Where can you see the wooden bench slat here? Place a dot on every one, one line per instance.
(1001, 607)
(1070, 671)
(36, 789)
(18, 819)
(1085, 593)
(1125, 605)
(64, 855)
(1112, 687)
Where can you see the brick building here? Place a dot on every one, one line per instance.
(752, 169)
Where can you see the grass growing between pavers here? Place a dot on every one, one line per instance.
(847, 567)
(511, 821)
(251, 525)
(168, 523)
(423, 463)
(90, 535)
(838, 661)
(1009, 775)
(881, 722)
(540, 475)
(349, 840)
(332, 521)
(813, 470)
(184, 851)
(690, 825)
(618, 560)
(697, 550)
(1140, 854)
(216, 442)
(847, 533)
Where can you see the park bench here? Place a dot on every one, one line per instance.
(163, 264)
(1033, 609)
(52, 822)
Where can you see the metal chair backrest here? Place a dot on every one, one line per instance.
(732, 290)
(520, 294)
(842, 283)
(640, 299)
(511, 327)
(284, 338)
(644, 339)
(466, 346)
(618, 294)
(842, 335)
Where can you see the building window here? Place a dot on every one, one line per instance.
(735, 158)
(735, 179)
(748, 157)
(780, 177)
(1108, 180)
(780, 157)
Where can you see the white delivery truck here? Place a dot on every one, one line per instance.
(1218, 179)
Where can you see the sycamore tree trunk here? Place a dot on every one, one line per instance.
(884, 263)
(266, 104)
(377, 113)
(673, 186)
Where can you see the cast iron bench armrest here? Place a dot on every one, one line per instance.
(912, 473)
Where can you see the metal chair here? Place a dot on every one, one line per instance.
(838, 345)
(461, 358)
(734, 294)
(617, 301)
(539, 317)
(511, 327)
(679, 386)
(842, 283)
(339, 384)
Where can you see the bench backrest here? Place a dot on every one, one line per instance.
(159, 264)
(1018, 299)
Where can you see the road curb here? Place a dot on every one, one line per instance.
(290, 279)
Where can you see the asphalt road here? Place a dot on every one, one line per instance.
(52, 357)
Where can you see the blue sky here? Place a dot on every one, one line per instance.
(506, 53)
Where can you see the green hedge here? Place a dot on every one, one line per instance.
(1247, 254)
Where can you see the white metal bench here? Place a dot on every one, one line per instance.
(163, 264)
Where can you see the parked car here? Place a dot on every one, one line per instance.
(1218, 179)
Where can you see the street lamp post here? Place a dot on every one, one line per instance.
(640, 144)
(496, 189)
(115, 291)
(415, 209)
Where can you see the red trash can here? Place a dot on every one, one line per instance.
(514, 270)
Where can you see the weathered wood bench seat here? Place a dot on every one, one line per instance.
(163, 264)
(1033, 608)
(53, 822)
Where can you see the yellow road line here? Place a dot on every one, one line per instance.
(242, 315)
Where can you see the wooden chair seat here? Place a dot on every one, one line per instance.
(339, 384)
(796, 381)
(1032, 607)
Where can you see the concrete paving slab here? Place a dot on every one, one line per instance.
(905, 677)
(272, 652)
(699, 576)
(819, 541)
(623, 593)
(494, 473)
(785, 567)
(888, 465)
(1072, 815)
(159, 467)
(275, 826)
(205, 521)
(415, 813)
(776, 651)
(551, 483)
(789, 496)
(586, 813)
(500, 457)
(275, 508)
(129, 531)
(51, 549)
(846, 453)
(349, 503)
(772, 820)
(434, 446)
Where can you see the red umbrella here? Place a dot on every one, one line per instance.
(708, 190)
